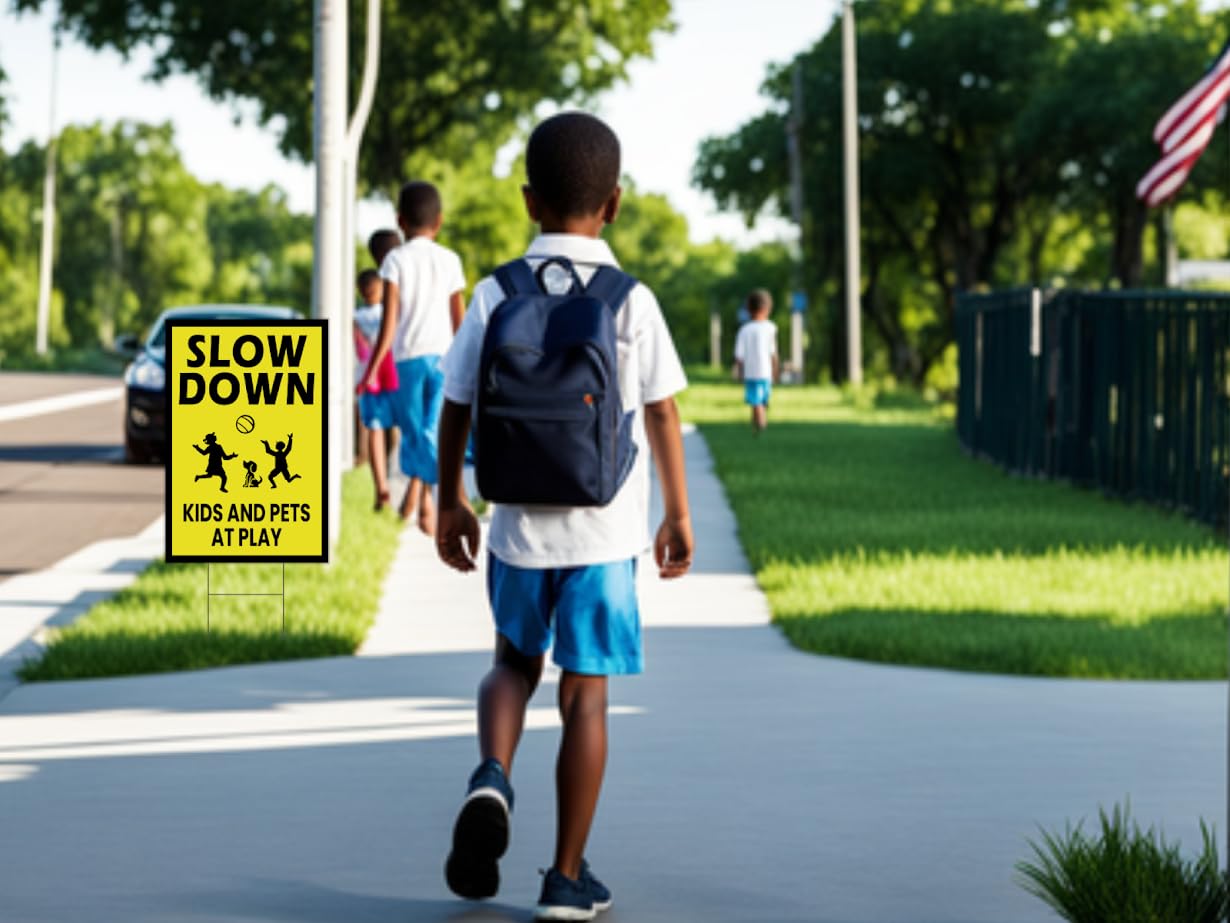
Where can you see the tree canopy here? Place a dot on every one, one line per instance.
(451, 74)
(989, 131)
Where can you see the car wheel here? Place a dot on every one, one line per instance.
(135, 453)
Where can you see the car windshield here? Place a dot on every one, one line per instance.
(157, 338)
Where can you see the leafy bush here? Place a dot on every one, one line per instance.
(1125, 876)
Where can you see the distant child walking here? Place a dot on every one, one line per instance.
(423, 306)
(561, 571)
(756, 363)
(376, 401)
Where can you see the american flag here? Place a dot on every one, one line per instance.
(1185, 130)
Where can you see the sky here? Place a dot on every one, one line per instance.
(704, 80)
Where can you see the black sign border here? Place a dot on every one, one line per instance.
(175, 323)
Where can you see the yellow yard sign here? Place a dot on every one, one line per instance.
(246, 428)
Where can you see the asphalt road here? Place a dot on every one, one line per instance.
(63, 481)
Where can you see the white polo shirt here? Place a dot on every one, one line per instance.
(426, 275)
(649, 371)
(755, 347)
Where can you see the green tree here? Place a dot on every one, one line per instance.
(451, 74)
(261, 250)
(131, 227)
(1117, 69)
(944, 169)
(1000, 142)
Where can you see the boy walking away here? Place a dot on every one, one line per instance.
(756, 363)
(563, 568)
(382, 243)
(423, 285)
(376, 401)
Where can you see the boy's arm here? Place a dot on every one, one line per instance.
(229, 457)
(384, 342)
(738, 370)
(672, 547)
(290, 441)
(456, 524)
(456, 309)
(199, 449)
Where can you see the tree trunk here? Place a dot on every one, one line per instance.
(1127, 259)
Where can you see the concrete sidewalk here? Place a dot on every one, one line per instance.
(747, 781)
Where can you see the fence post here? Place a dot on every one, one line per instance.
(715, 340)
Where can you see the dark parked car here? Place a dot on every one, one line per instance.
(146, 377)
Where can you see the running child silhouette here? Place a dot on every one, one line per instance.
(217, 455)
(279, 460)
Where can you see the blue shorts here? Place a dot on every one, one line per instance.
(756, 391)
(376, 410)
(416, 408)
(597, 624)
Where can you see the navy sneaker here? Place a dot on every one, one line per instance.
(597, 890)
(563, 898)
(480, 835)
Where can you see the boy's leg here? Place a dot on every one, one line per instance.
(502, 697)
(428, 458)
(580, 767)
(404, 401)
(521, 605)
(375, 458)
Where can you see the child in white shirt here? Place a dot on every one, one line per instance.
(423, 305)
(567, 572)
(756, 362)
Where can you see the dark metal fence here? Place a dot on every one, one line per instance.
(1127, 391)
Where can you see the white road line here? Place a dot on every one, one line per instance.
(58, 403)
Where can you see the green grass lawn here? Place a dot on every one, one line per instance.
(158, 623)
(876, 538)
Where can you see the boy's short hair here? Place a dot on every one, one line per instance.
(419, 204)
(367, 277)
(572, 164)
(759, 300)
(381, 242)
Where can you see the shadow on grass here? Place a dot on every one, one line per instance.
(1176, 647)
(807, 491)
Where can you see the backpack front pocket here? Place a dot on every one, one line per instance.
(542, 452)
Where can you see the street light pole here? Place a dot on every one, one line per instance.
(849, 86)
(798, 296)
(354, 139)
(47, 249)
(329, 142)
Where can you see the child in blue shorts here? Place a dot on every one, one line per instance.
(423, 304)
(562, 574)
(376, 399)
(756, 362)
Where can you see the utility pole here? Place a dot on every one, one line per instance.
(849, 124)
(798, 299)
(354, 139)
(47, 250)
(329, 143)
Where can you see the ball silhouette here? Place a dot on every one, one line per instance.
(245, 424)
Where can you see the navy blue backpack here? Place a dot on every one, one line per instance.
(550, 426)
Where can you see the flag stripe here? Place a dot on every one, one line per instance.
(1208, 105)
(1193, 145)
(1189, 99)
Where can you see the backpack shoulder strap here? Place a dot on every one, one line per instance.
(516, 278)
(611, 285)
